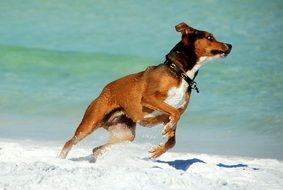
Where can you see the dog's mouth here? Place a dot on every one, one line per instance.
(220, 53)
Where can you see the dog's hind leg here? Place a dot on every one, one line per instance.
(118, 133)
(92, 119)
(84, 129)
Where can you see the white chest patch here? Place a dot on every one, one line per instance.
(176, 95)
(176, 98)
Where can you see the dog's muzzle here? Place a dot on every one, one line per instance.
(223, 53)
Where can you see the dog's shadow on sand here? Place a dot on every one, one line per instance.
(90, 158)
(183, 165)
(186, 164)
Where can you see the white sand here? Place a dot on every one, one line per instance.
(30, 165)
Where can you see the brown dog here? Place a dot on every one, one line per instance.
(160, 94)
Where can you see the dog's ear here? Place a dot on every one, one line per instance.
(184, 28)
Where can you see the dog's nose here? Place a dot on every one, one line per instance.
(229, 48)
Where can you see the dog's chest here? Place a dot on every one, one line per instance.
(177, 95)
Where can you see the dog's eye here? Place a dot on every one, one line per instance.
(210, 38)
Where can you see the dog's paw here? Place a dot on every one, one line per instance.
(157, 151)
(98, 151)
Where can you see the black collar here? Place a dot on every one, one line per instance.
(192, 84)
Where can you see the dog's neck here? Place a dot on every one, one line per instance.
(176, 62)
(192, 72)
(184, 64)
(186, 58)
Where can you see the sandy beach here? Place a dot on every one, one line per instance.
(32, 165)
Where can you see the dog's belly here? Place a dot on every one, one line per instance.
(152, 121)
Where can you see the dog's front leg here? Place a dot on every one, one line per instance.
(162, 148)
(155, 103)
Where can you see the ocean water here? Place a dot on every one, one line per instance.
(56, 56)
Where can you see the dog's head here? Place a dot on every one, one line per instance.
(200, 45)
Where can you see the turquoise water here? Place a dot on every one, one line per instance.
(56, 56)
